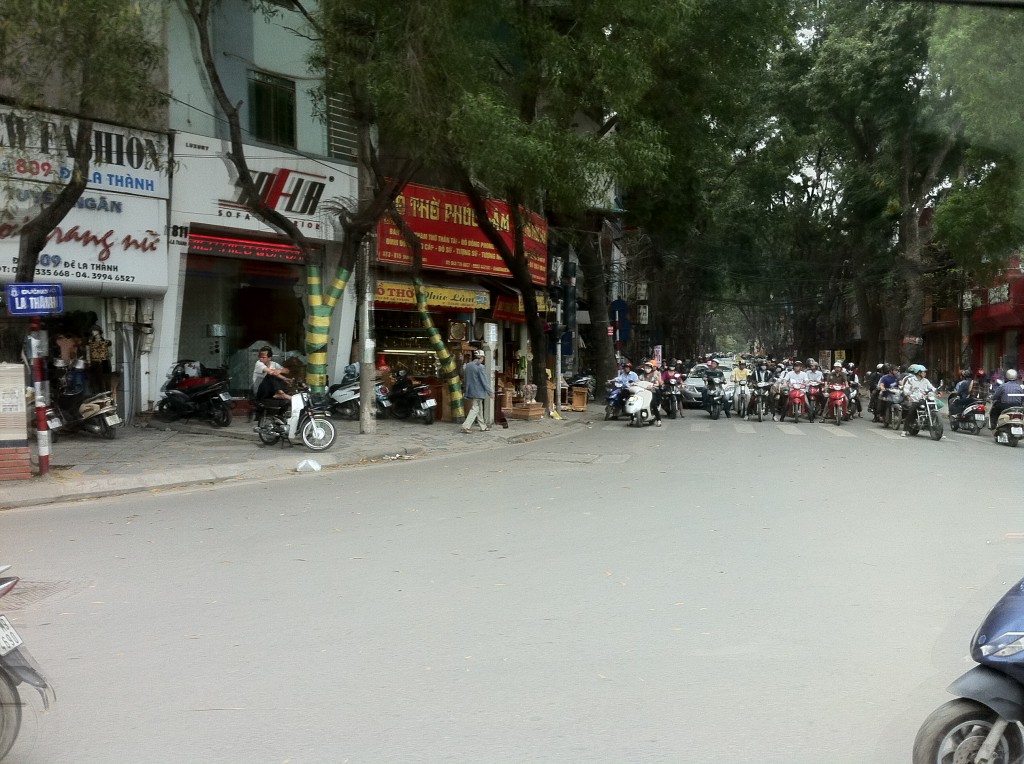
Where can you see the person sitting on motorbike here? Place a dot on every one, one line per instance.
(838, 376)
(797, 375)
(650, 374)
(626, 375)
(1010, 393)
(962, 394)
(763, 373)
(889, 383)
(914, 387)
(672, 372)
(740, 374)
(269, 378)
(713, 378)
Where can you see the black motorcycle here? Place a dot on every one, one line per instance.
(409, 399)
(73, 409)
(968, 416)
(200, 394)
(715, 400)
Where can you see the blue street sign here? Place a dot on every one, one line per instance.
(34, 299)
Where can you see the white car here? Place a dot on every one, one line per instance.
(693, 385)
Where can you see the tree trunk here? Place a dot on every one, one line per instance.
(595, 280)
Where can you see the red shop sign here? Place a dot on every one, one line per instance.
(451, 239)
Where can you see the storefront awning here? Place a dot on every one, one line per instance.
(452, 296)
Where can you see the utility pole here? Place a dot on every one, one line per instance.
(367, 370)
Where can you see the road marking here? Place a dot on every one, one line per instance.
(700, 427)
(790, 428)
(748, 428)
(839, 432)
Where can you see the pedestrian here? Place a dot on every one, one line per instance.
(477, 388)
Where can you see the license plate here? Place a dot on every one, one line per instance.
(385, 402)
(979, 417)
(54, 424)
(429, 403)
(113, 419)
(1017, 430)
(9, 638)
(225, 396)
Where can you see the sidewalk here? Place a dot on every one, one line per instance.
(150, 454)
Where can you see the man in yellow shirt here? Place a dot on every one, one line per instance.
(741, 392)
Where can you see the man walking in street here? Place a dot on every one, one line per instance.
(476, 389)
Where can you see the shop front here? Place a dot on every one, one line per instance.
(997, 327)
(109, 253)
(469, 285)
(242, 284)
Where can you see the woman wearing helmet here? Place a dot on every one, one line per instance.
(915, 388)
(1010, 393)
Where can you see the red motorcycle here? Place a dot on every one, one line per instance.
(836, 409)
(796, 402)
(816, 400)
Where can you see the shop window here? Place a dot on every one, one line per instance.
(272, 109)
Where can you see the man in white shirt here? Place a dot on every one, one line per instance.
(797, 375)
(269, 378)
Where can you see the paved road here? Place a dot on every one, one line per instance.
(707, 591)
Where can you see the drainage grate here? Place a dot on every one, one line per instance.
(30, 592)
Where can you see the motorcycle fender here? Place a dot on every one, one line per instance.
(178, 397)
(993, 689)
(21, 668)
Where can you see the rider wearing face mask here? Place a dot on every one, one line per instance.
(915, 387)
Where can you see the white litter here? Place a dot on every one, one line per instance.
(308, 465)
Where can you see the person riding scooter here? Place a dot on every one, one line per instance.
(650, 374)
(1010, 393)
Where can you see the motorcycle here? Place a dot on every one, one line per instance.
(638, 405)
(672, 395)
(72, 409)
(344, 396)
(279, 420)
(926, 417)
(1010, 426)
(835, 409)
(188, 395)
(760, 400)
(409, 399)
(892, 406)
(983, 723)
(796, 402)
(583, 379)
(971, 419)
(816, 400)
(17, 667)
(615, 404)
(855, 401)
(716, 397)
(741, 398)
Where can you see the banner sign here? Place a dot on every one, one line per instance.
(446, 225)
(247, 249)
(509, 308)
(398, 293)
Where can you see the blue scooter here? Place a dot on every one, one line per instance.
(615, 405)
(982, 726)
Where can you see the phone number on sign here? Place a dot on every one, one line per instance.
(54, 273)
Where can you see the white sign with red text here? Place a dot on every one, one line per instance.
(205, 192)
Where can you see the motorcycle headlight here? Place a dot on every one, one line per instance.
(1004, 646)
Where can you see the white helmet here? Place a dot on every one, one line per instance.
(1011, 374)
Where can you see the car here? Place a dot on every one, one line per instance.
(693, 385)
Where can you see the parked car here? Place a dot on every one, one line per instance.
(693, 386)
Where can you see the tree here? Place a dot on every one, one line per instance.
(55, 56)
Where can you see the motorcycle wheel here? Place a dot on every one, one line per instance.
(795, 413)
(165, 411)
(760, 409)
(318, 434)
(935, 429)
(955, 731)
(10, 714)
(401, 411)
(220, 414)
(954, 425)
(107, 431)
(672, 408)
(838, 411)
(607, 413)
(1012, 442)
(428, 416)
(267, 436)
(716, 410)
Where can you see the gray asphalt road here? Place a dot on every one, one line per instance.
(704, 592)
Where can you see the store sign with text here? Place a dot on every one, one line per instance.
(451, 240)
(107, 244)
(398, 293)
(206, 192)
(38, 148)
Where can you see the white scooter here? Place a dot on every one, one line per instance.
(638, 405)
(345, 395)
(280, 420)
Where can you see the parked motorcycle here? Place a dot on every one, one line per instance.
(983, 723)
(278, 420)
(409, 399)
(971, 419)
(615, 404)
(760, 400)
(1010, 426)
(188, 395)
(835, 409)
(17, 667)
(796, 402)
(583, 379)
(344, 396)
(926, 417)
(83, 413)
(638, 405)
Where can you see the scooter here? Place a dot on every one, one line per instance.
(816, 401)
(616, 402)
(1010, 426)
(741, 398)
(17, 667)
(892, 408)
(796, 402)
(409, 399)
(716, 396)
(672, 395)
(855, 401)
(95, 413)
(187, 396)
(638, 405)
(344, 396)
(279, 420)
(760, 400)
(583, 379)
(835, 409)
(971, 418)
(982, 725)
(926, 417)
